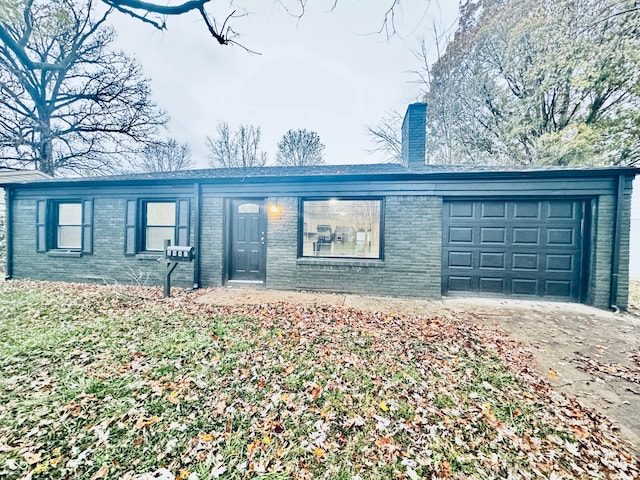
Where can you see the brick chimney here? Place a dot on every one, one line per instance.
(414, 136)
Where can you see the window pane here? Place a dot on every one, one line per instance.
(69, 214)
(157, 235)
(248, 208)
(69, 237)
(341, 228)
(161, 214)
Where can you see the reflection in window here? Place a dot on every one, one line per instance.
(341, 228)
(69, 226)
(160, 224)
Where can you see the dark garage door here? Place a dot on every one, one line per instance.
(513, 248)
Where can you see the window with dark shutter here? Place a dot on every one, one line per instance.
(130, 228)
(65, 225)
(182, 237)
(41, 226)
(87, 226)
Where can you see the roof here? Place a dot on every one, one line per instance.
(13, 176)
(326, 172)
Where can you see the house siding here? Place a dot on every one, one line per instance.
(212, 246)
(412, 253)
(604, 213)
(107, 264)
(634, 253)
(412, 238)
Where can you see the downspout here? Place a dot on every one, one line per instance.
(9, 233)
(615, 253)
(196, 235)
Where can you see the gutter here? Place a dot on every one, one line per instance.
(9, 234)
(196, 234)
(615, 251)
(338, 176)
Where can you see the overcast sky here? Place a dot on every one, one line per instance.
(328, 72)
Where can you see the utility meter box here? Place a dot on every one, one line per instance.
(180, 254)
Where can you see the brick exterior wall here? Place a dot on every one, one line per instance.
(414, 136)
(212, 246)
(412, 253)
(623, 278)
(411, 265)
(108, 263)
(602, 250)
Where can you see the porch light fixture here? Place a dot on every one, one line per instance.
(275, 209)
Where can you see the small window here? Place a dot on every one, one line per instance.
(68, 226)
(148, 223)
(342, 228)
(64, 225)
(160, 224)
(248, 208)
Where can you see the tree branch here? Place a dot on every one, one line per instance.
(159, 9)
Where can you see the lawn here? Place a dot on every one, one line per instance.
(108, 382)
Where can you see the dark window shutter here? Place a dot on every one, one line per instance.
(182, 237)
(41, 226)
(130, 228)
(87, 226)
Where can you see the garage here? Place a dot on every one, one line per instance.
(514, 248)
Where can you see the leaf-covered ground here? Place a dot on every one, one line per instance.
(634, 298)
(107, 382)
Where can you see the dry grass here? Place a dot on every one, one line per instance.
(104, 382)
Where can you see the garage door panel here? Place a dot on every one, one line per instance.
(560, 236)
(524, 286)
(526, 236)
(493, 209)
(525, 209)
(513, 248)
(491, 285)
(562, 210)
(557, 288)
(493, 235)
(525, 261)
(460, 260)
(459, 284)
(461, 209)
(461, 235)
(492, 260)
(559, 263)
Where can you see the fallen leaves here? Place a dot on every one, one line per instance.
(629, 373)
(106, 383)
(101, 473)
(553, 375)
(146, 422)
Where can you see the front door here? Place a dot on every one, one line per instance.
(248, 234)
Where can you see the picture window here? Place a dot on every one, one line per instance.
(342, 228)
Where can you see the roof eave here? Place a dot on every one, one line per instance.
(344, 177)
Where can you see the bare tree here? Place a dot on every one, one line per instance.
(67, 101)
(155, 13)
(219, 25)
(240, 149)
(386, 137)
(164, 156)
(300, 148)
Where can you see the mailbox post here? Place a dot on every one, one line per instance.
(175, 255)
